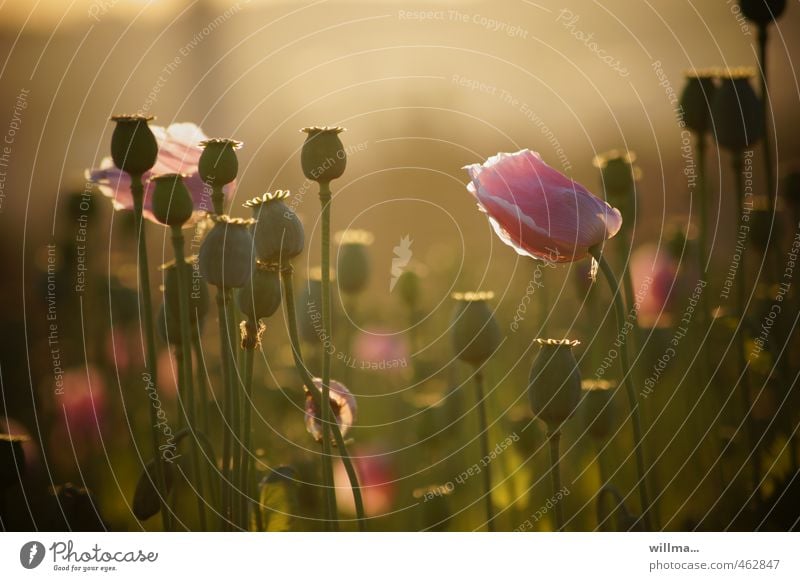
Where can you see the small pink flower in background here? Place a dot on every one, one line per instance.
(538, 211)
(656, 280)
(343, 405)
(80, 407)
(376, 477)
(178, 152)
(167, 375)
(123, 350)
(381, 349)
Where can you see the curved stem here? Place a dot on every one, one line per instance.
(146, 314)
(555, 475)
(305, 378)
(484, 442)
(327, 454)
(186, 363)
(619, 307)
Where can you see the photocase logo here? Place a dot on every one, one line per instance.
(31, 554)
(402, 256)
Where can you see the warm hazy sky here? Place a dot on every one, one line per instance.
(423, 87)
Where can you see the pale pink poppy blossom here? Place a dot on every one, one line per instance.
(376, 478)
(343, 406)
(538, 211)
(378, 349)
(178, 152)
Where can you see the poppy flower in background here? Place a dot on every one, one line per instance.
(178, 152)
(538, 211)
(376, 477)
(343, 405)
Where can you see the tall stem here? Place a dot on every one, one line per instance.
(146, 305)
(202, 384)
(327, 464)
(223, 296)
(217, 200)
(555, 475)
(186, 362)
(236, 411)
(305, 377)
(763, 36)
(484, 441)
(741, 346)
(246, 455)
(619, 307)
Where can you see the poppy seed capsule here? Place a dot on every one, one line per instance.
(762, 12)
(261, 296)
(599, 413)
(408, 286)
(474, 330)
(172, 202)
(323, 157)
(226, 255)
(218, 164)
(278, 233)
(736, 111)
(554, 390)
(696, 99)
(352, 266)
(134, 148)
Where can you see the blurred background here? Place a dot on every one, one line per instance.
(423, 89)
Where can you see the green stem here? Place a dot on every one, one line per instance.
(236, 410)
(184, 277)
(218, 200)
(202, 386)
(772, 193)
(555, 475)
(137, 192)
(223, 296)
(638, 448)
(484, 442)
(741, 345)
(327, 454)
(306, 379)
(247, 457)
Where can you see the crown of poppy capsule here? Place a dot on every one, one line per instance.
(218, 164)
(762, 12)
(226, 254)
(279, 235)
(554, 390)
(352, 266)
(133, 146)
(599, 413)
(343, 406)
(261, 296)
(474, 330)
(172, 202)
(323, 157)
(736, 111)
(696, 99)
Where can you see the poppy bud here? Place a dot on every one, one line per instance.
(474, 329)
(599, 413)
(353, 262)
(261, 296)
(323, 157)
(134, 148)
(762, 12)
(226, 255)
(146, 501)
(278, 232)
(696, 99)
(172, 203)
(12, 460)
(343, 406)
(555, 382)
(218, 164)
(736, 111)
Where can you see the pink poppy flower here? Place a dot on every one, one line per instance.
(656, 282)
(343, 405)
(376, 477)
(379, 350)
(538, 211)
(178, 152)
